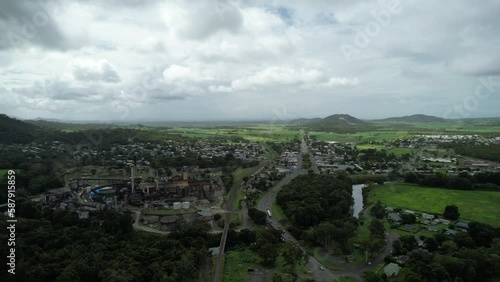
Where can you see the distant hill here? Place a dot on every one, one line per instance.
(343, 119)
(414, 118)
(340, 123)
(16, 131)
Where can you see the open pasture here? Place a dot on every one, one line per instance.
(255, 133)
(481, 206)
(360, 137)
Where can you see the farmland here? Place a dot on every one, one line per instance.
(481, 206)
(360, 137)
(256, 133)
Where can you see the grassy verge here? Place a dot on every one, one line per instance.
(238, 175)
(240, 195)
(277, 213)
(271, 154)
(236, 264)
(324, 261)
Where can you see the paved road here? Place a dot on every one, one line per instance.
(304, 149)
(265, 204)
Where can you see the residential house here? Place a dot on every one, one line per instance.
(427, 216)
(394, 217)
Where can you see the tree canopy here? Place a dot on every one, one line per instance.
(310, 199)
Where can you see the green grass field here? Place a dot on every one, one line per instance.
(236, 264)
(360, 137)
(369, 146)
(277, 213)
(481, 206)
(253, 132)
(3, 172)
(239, 174)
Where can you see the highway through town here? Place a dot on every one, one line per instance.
(265, 204)
(319, 272)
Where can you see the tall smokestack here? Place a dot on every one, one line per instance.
(135, 165)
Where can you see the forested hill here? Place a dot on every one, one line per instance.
(16, 131)
(339, 123)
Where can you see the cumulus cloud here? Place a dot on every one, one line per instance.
(202, 19)
(220, 89)
(151, 44)
(277, 75)
(90, 70)
(235, 59)
(342, 81)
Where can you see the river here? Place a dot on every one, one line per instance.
(357, 194)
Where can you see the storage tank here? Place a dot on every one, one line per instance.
(177, 205)
(185, 205)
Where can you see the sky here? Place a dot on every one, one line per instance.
(231, 60)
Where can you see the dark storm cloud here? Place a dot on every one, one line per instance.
(26, 23)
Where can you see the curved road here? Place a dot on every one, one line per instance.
(319, 274)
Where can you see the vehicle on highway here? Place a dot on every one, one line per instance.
(321, 267)
(269, 213)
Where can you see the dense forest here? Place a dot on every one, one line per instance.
(14, 131)
(311, 199)
(54, 245)
(319, 207)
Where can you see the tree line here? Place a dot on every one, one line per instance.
(464, 181)
(54, 245)
(310, 199)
